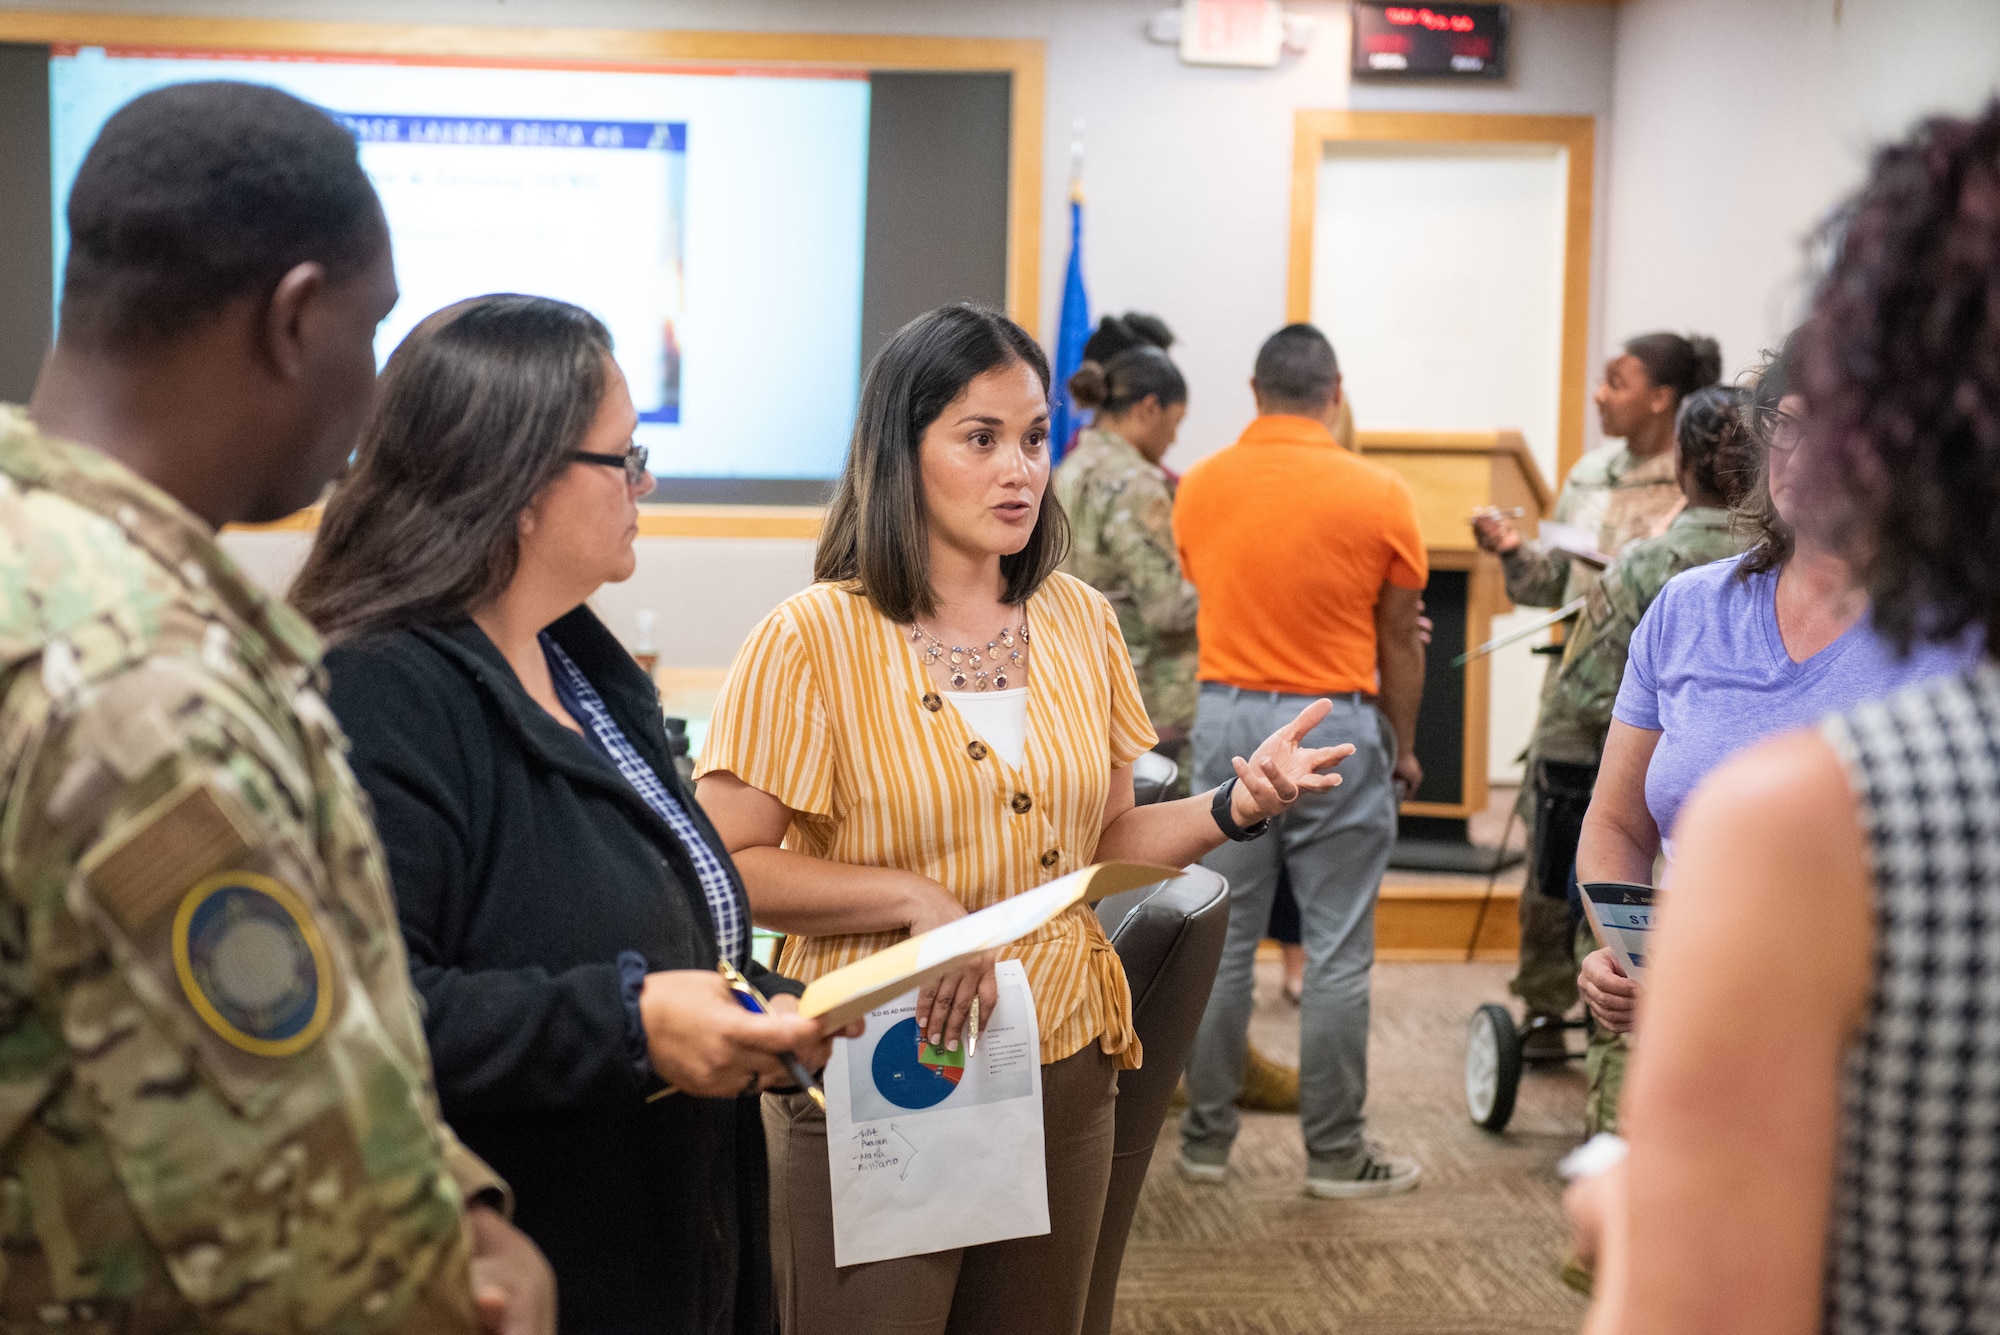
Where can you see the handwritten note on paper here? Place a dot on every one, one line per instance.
(932, 1150)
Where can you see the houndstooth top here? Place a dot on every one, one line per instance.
(1917, 1195)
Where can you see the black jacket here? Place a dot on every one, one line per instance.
(523, 864)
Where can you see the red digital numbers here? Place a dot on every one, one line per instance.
(1406, 17)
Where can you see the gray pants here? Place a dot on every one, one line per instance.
(1336, 847)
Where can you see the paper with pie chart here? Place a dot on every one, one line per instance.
(931, 1149)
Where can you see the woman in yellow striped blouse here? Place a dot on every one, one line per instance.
(941, 722)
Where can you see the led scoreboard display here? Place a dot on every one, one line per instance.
(1429, 41)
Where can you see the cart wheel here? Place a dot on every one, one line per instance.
(1492, 1067)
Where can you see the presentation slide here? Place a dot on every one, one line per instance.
(713, 221)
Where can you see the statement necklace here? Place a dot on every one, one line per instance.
(983, 669)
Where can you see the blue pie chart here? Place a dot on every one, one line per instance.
(903, 1080)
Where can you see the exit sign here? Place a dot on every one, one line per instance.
(1232, 32)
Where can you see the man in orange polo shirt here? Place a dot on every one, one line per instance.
(1310, 569)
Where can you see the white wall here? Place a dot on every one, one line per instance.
(1737, 125)
(1188, 174)
(1439, 273)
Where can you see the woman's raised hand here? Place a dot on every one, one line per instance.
(1282, 769)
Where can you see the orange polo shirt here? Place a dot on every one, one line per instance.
(1289, 539)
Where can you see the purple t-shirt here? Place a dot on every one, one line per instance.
(1709, 671)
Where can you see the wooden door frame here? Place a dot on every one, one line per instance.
(1314, 130)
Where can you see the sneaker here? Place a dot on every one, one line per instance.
(1367, 1172)
(1204, 1163)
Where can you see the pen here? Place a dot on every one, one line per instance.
(1488, 511)
(753, 1001)
(972, 1027)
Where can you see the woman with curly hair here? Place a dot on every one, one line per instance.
(1814, 1117)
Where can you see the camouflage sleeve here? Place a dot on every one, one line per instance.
(1593, 663)
(1139, 539)
(477, 1183)
(1536, 575)
(208, 1119)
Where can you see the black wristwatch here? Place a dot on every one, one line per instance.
(1235, 833)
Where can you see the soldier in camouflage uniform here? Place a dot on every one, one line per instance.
(1617, 494)
(210, 1013)
(1120, 504)
(1716, 465)
(215, 1100)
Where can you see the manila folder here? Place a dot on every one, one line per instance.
(850, 992)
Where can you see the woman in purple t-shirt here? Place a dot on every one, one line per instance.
(1728, 654)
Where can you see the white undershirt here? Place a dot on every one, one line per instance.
(1001, 717)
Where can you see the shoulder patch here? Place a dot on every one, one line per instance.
(167, 847)
(252, 963)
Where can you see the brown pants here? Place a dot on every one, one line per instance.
(1024, 1286)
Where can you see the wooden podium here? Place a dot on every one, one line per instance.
(1451, 474)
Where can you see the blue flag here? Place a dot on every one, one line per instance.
(1071, 334)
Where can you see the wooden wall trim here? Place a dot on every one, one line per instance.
(1022, 58)
(1313, 130)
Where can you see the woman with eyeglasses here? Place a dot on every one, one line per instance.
(564, 901)
(1731, 653)
(1812, 1119)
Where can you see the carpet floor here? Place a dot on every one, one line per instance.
(1474, 1250)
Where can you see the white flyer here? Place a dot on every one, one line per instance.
(1622, 915)
(932, 1150)
(1577, 542)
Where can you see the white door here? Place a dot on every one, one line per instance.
(1438, 274)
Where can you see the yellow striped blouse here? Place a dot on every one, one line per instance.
(828, 709)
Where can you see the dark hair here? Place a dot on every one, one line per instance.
(1771, 537)
(1682, 364)
(199, 193)
(1121, 333)
(1296, 368)
(1716, 443)
(1128, 379)
(1900, 369)
(480, 407)
(877, 534)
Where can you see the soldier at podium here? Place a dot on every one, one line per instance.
(1618, 493)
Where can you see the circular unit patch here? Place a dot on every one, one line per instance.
(253, 964)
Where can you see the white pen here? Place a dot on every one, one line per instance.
(972, 1028)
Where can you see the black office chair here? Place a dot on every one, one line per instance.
(1152, 775)
(1169, 937)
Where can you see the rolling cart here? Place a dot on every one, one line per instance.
(1494, 1063)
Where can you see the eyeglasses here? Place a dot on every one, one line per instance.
(633, 461)
(1782, 431)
